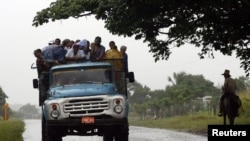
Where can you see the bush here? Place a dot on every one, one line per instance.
(11, 130)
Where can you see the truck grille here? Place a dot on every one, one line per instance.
(81, 107)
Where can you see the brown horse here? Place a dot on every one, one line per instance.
(231, 103)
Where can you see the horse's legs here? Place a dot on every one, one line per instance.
(224, 119)
(231, 120)
(229, 110)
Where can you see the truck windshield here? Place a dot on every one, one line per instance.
(81, 76)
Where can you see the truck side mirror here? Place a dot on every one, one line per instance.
(35, 83)
(131, 77)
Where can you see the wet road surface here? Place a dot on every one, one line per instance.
(33, 133)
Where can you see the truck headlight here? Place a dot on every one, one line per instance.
(118, 109)
(54, 114)
(54, 110)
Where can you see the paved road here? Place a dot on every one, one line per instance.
(33, 133)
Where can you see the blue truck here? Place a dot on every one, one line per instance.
(84, 99)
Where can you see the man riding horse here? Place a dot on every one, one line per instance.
(229, 89)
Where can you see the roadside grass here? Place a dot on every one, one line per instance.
(11, 130)
(195, 123)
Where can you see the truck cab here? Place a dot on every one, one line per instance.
(84, 99)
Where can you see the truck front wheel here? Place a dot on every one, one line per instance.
(52, 135)
(44, 137)
(107, 137)
(122, 133)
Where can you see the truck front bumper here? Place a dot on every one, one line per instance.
(77, 122)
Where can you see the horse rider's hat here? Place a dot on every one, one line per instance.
(226, 72)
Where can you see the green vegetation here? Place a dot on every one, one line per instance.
(11, 130)
(3, 97)
(186, 94)
(28, 111)
(221, 25)
(196, 123)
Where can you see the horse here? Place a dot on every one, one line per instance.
(231, 103)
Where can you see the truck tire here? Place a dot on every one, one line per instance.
(122, 133)
(52, 135)
(44, 137)
(108, 137)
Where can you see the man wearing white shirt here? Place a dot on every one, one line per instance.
(75, 55)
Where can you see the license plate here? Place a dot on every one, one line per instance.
(88, 120)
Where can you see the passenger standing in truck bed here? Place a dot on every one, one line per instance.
(66, 44)
(123, 50)
(55, 53)
(40, 62)
(84, 46)
(86, 50)
(75, 55)
(98, 50)
(114, 54)
(57, 41)
(115, 58)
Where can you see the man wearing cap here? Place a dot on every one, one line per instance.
(51, 42)
(228, 88)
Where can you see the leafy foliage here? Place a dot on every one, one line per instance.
(3, 97)
(29, 111)
(242, 84)
(212, 25)
(186, 94)
(182, 97)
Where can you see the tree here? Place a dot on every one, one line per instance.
(242, 84)
(212, 25)
(187, 88)
(140, 93)
(29, 111)
(3, 97)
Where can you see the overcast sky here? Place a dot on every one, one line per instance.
(19, 39)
